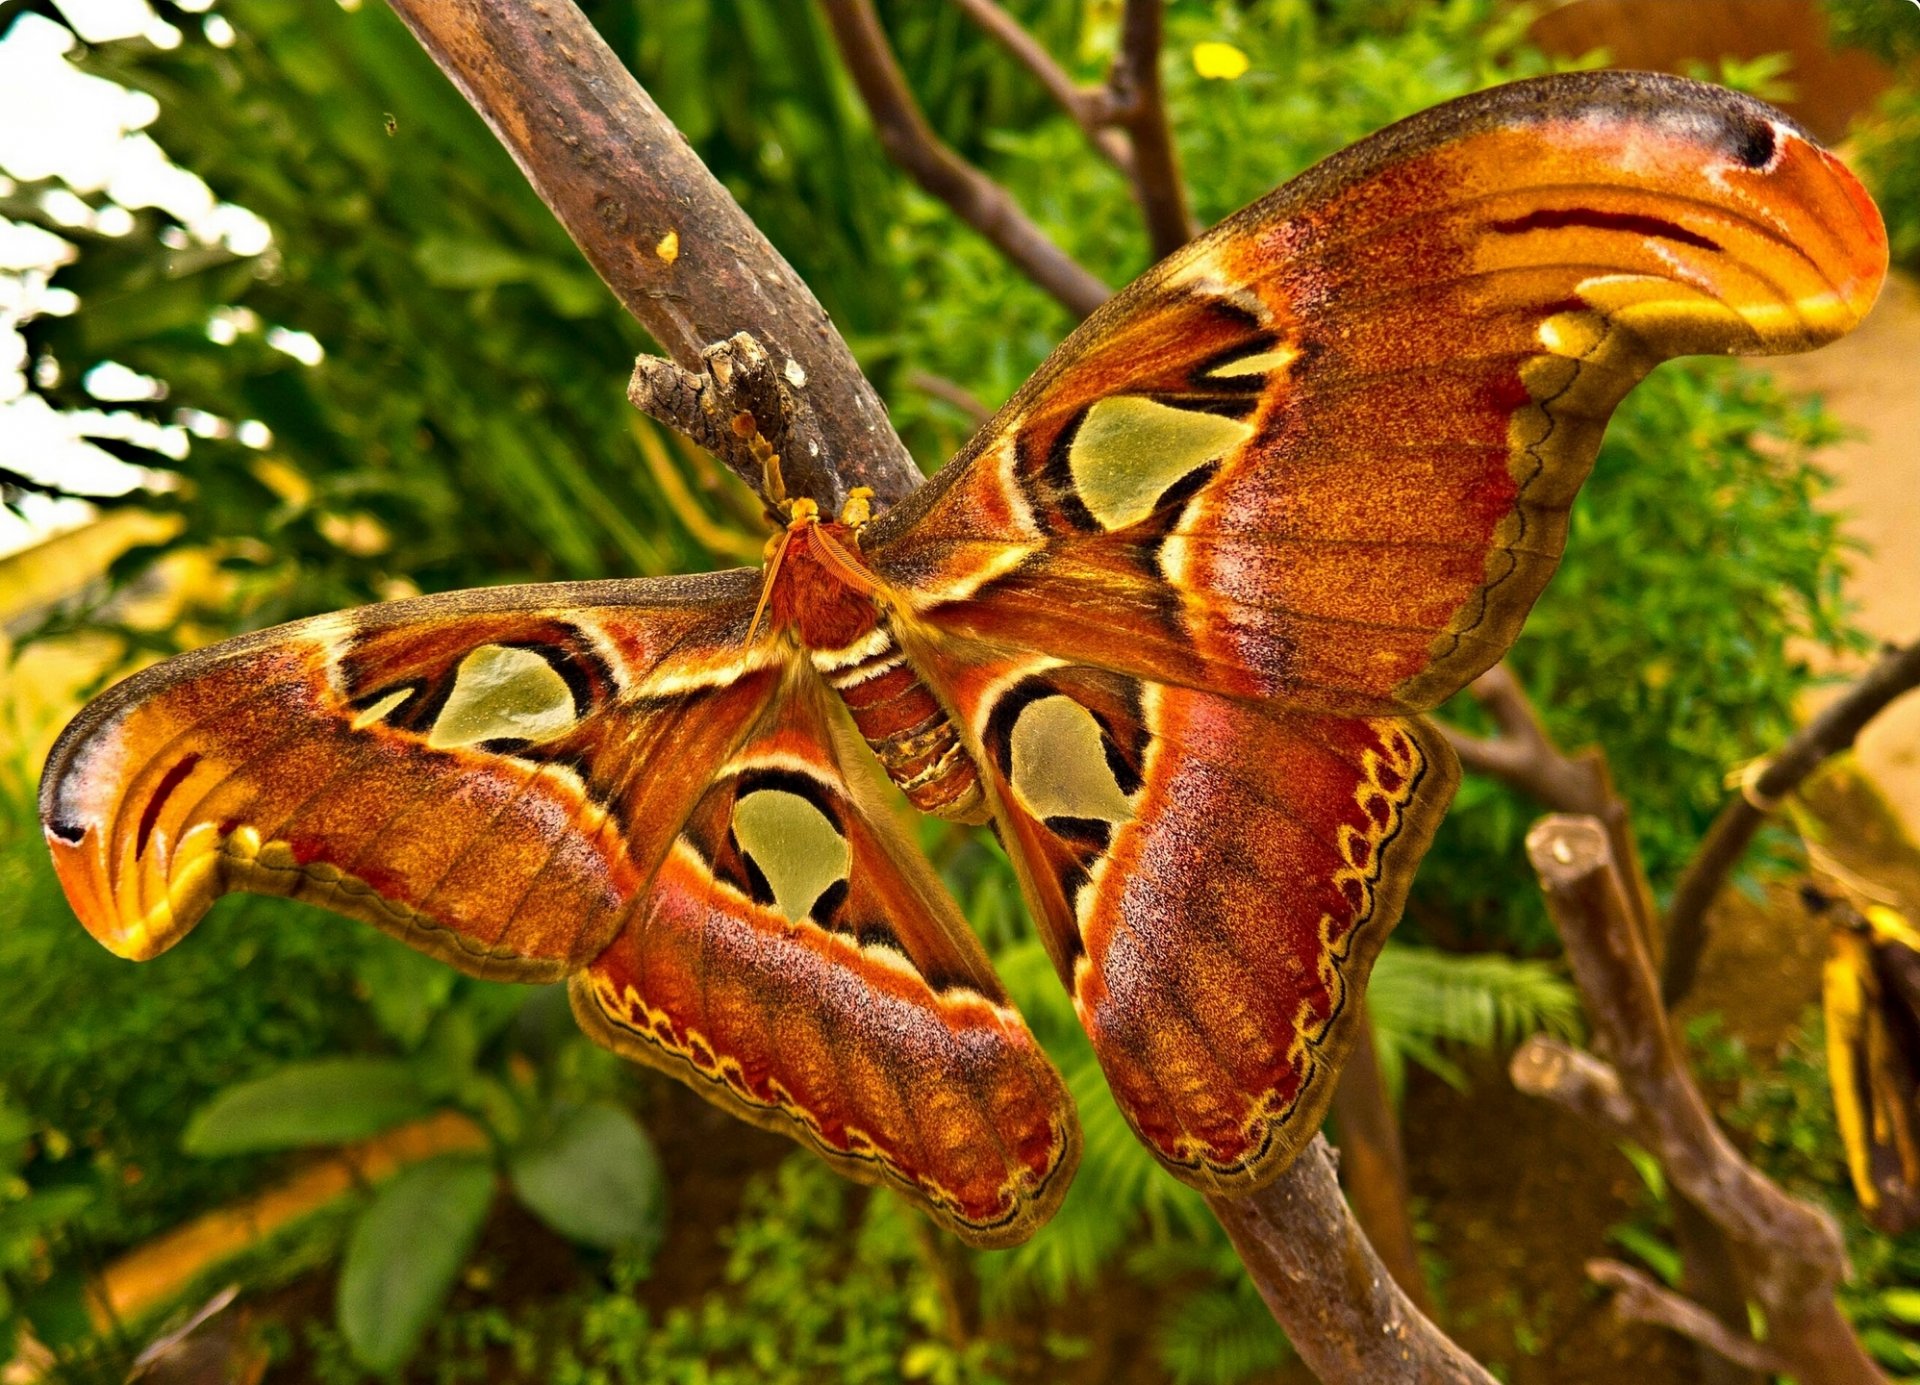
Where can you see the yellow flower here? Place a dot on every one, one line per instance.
(1219, 60)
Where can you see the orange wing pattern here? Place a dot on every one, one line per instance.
(1325, 453)
(477, 774)
(798, 961)
(1303, 479)
(1213, 878)
(522, 782)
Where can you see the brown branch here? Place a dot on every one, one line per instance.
(911, 143)
(1343, 1312)
(1138, 105)
(1829, 733)
(1373, 1165)
(1086, 106)
(950, 392)
(1789, 1255)
(1637, 1298)
(1557, 1071)
(1524, 758)
(668, 239)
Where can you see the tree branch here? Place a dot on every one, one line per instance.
(1342, 1311)
(1637, 1298)
(1138, 105)
(1373, 1164)
(911, 143)
(1829, 733)
(1085, 105)
(1524, 758)
(1789, 1255)
(667, 238)
(1557, 1071)
(949, 392)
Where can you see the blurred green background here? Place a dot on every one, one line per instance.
(462, 423)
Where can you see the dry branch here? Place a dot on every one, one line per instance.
(1524, 757)
(667, 238)
(1637, 1298)
(910, 142)
(1139, 106)
(1789, 1255)
(1373, 1164)
(1087, 106)
(1344, 1314)
(1829, 733)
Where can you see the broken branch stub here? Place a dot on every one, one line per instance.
(737, 380)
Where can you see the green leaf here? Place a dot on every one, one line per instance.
(595, 1179)
(405, 1252)
(326, 1101)
(1902, 1305)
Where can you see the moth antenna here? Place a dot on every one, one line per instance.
(828, 550)
(766, 588)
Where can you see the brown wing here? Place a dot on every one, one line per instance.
(1213, 878)
(1325, 453)
(490, 776)
(1304, 478)
(603, 781)
(797, 961)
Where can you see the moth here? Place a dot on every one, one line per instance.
(1169, 622)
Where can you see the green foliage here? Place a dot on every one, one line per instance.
(1889, 32)
(405, 1252)
(323, 1101)
(592, 1176)
(585, 1169)
(821, 1282)
(1420, 999)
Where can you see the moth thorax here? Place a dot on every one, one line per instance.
(907, 728)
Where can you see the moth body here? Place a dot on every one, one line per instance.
(840, 618)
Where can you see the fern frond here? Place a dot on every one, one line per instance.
(1422, 999)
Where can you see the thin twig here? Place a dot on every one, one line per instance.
(1637, 1298)
(1139, 107)
(1373, 1164)
(1829, 733)
(1085, 105)
(911, 143)
(667, 238)
(1342, 1311)
(721, 540)
(950, 392)
(1525, 758)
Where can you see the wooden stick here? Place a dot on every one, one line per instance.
(1139, 106)
(1343, 1312)
(1832, 731)
(1789, 1255)
(911, 143)
(667, 238)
